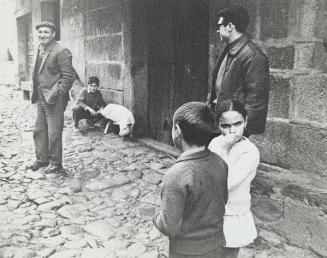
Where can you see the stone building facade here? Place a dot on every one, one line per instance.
(154, 55)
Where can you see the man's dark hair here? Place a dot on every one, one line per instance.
(237, 15)
(93, 79)
(197, 123)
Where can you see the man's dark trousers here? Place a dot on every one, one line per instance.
(48, 131)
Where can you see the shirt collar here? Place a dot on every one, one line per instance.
(237, 44)
(43, 48)
(191, 151)
(89, 92)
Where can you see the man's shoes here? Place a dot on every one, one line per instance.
(36, 165)
(53, 169)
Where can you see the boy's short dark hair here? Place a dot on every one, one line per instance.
(197, 123)
(94, 79)
(237, 15)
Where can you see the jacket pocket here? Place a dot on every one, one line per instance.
(54, 94)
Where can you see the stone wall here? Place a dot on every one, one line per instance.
(97, 33)
(290, 202)
(292, 205)
(292, 34)
(73, 35)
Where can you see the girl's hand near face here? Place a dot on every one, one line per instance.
(228, 141)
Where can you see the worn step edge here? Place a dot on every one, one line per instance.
(171, 151)
(302, 186)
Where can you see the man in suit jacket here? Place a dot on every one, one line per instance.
(241, 71)
(53, 76)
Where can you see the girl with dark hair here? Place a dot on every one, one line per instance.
(242, 157)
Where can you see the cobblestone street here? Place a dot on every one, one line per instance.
(102, 208)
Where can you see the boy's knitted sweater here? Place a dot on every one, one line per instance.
(88, 99)
(194, 195)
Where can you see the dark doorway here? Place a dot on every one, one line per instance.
(177, 60)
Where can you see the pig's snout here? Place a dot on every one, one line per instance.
(125, 129)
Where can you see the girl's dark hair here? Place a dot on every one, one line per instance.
(231, 105)
(197, 123)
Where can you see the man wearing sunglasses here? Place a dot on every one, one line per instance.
(241, 71)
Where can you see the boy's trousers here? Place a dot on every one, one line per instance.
(81, 113)
(48, 131)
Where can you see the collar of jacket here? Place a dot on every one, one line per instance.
(237, 44)
(89, 92)
(194, 155)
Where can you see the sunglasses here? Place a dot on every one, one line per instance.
(219, 25)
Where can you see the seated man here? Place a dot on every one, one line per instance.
(89, 101)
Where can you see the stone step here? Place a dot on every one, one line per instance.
(292, 204)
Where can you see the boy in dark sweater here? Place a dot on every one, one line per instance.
(194, 191)
(89, 102)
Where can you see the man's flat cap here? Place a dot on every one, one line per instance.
(46, 24)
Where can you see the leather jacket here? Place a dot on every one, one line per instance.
(246, 79)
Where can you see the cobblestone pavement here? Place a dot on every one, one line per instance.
(102, 208)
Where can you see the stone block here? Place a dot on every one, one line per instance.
(321, 29)
(267, 209)
(308, 192)
(97, 4)
(77, 50)
(113, 96)
(308, 149)
(310, 55)
(281, 57)
(308, 19)
(109, 75)
(72, 7)
(309, 94)
(104, 21)
(73, 26)
(104, 48)
(261, 186)
(279, 97)
(303, 226)
(72, 37)
(273, 144)
(274, 18)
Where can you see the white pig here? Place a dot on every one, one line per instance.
(121, 116)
